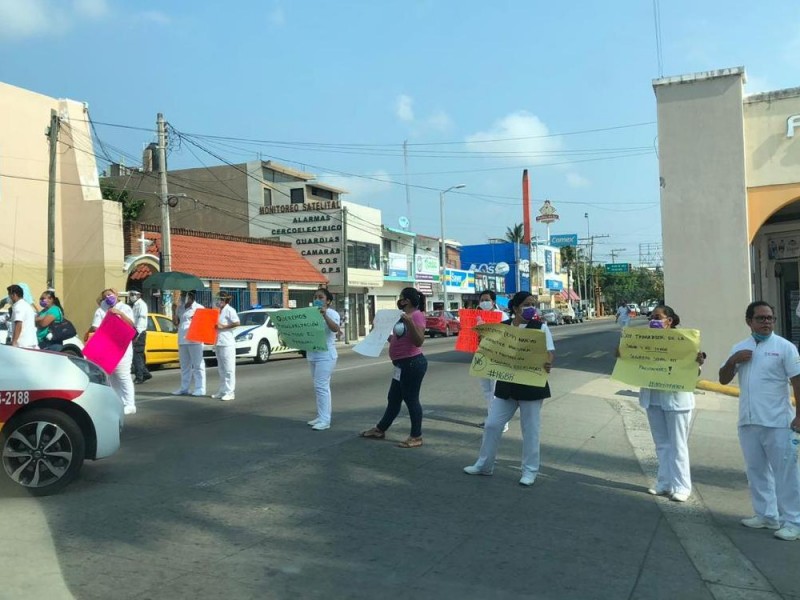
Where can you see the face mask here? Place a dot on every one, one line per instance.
(43, 303)
(656, 324)
(761, 337)
(220, 303)
(528, 313)
(110, 301)
(486, 305)
(319, 303)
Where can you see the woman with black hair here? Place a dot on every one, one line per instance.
(410, 365)
(323, 362)
(52, 312)
(669, 414)
(510, 396)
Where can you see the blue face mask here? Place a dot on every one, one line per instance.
(319, 303)
(528, 313)
(761, 337)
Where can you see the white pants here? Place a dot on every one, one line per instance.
(670, 429)
(487, 387)
(193, 368)
(226, 361)
(500, 412)
(121, 379)
(321, 371)
(773, 473)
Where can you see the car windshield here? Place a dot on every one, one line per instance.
(253, 319)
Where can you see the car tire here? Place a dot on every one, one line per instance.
(72, 351)
(262, 352)
(48, 430)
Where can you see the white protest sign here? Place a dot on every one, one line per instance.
(382, 325)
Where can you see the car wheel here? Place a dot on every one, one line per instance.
(262, 352)
(42, 451)
(72, 351)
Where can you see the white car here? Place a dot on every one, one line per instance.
(256, 337)
(55, 411)
(73, 345)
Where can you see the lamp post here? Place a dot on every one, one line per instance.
(587, 279)
(442, 246)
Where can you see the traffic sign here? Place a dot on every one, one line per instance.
(618, 267)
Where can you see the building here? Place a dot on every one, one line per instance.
(88, 240)
(729, 166)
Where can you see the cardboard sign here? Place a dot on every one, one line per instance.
(108, 344)
(382, 325)
(203, 326)
(659, 359)
(302, 328)
(469, 318)
(511, 354)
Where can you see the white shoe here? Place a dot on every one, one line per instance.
(678, 497)
(199, 394)
(180, 393)
(320, 426)
(312, 422)
(505, 427)
(216, 396)
(227, 397)
(658, 492)
(527, 479)
(756, 522)
(789, 533)
(473, 470)
(129, 410)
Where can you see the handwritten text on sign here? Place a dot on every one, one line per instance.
(660, 359)
(510, 354)
(303, 328)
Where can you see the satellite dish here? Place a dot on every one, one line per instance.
(404, 222)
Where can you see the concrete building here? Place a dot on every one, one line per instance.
(730, 189)
(88, 229)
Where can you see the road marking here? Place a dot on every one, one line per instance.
(596, 354)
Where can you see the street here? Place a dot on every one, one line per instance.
(210, 499)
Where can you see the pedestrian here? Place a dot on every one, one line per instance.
(226, 348)
(190, 354)
(23, 319)
(140, 313)
(510, 396)
(623, 315)
(670, 414)
(488, 301)
(767, 422)
(51, 312)
(120, 379)
(410, 366)
(322, 362)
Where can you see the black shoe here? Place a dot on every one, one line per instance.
(147, 376)
(137, 380)
(481, 425)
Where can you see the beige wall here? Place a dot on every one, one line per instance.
(89, 240)
(772, 157)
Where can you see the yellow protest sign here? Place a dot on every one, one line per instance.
(660, 359)
(513, 354)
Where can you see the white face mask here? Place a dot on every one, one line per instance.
(486, 305)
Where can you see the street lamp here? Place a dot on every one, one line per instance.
(442, 248)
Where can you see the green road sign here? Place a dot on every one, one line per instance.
(618, 267)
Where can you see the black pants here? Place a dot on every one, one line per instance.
(140, 371)
(412, 371)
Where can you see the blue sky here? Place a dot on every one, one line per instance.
(480, 90)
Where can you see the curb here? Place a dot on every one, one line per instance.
(728, 390)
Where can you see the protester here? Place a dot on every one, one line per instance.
(510, 396)
(23, 319)
(488, 301)
(322, 362)
(140, 313)
(764, 362)
(120, 379)
(226, 348)
(670, 414)
(623, 314)
(51, 312)
(190, 354)
(410, 366)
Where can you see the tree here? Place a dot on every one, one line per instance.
(131, 208)
(515, 233)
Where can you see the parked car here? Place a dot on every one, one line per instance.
(572, 315)
(73, 345)
(161, 343)
(56, 411)
(552, 316)
(441, 322)
(256, 337)
(633, 309)
(650, 307)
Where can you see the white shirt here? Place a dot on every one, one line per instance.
(666, 399)
(330, 353)
(140, 315)
(24, 318)
(624, 315)
(548, 336)
(763, 381)
(227, 316)
(184, 320)
(101, 311)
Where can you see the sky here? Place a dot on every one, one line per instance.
(479, 91)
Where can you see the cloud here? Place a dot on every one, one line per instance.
(22, 19)
(404, 108)
(93, 9)
(519, 136)
(576, 180)
(439, 121)
(756, 84)
(276, 17)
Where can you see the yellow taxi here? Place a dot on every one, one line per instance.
(161, 344)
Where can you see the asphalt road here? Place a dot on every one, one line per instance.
(242, 500)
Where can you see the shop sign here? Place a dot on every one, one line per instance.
(554, 285)
(427, 267)
(398, 265)
(548, 261)
(547, 213)
(300, 207)
(564, 240)
(458, 281)
(792, 123)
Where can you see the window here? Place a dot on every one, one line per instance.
(297, 195)
(320, 193)
(267, 197)
(362, 255)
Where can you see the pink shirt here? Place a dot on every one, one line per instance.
(402, 346)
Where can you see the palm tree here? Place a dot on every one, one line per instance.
(515, 233)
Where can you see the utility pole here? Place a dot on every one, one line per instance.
(163, 195)
(345, 278)
(52, 138)
(614, 253)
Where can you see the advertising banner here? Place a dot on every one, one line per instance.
(398, 265)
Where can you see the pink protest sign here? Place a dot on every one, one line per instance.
(108, 344)
(468, 318)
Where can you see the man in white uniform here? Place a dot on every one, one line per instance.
(23, 332)
(764, 363)
(623, 315)
(140, 312)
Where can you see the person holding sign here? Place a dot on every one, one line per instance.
(121, 379)
(669, 414)
(765, 362)
(322, 362)
(488, 301)
(410, 366)
(510, 396)
(190, 354)
(225, 348)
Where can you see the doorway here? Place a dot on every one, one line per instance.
(789, 276)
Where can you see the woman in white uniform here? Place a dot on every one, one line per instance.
(226, 348)
(323, 362)
(488, 301)
(190, 354)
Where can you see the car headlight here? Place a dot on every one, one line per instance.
(244, 337)
(93, 372)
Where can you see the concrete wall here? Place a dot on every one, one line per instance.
(703, 206)
(772, 157)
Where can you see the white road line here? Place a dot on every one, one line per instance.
(596, 354)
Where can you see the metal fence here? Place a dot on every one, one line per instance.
(270, 298)
(240, 297)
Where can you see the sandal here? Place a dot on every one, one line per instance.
(411, 442)
(374, 433)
